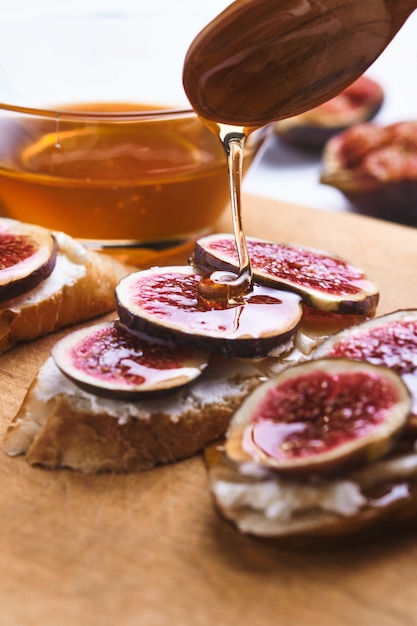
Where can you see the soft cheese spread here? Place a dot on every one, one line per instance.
(258, 498)
(219, 384)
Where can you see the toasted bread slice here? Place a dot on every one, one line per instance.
(297, 512)
(80, 287)
(60, 425)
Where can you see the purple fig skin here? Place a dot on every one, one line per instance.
(322, 417)
(106, 361)
(27, 257)
(324, 281)
(164, 304)
(389, 340)
(392, 201)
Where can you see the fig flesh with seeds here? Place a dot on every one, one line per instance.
(27, 257)
(324, 281)
(165, 304)
(360, 102)
(375, 167)
(389, 340)
(107, 361)
(320, 417)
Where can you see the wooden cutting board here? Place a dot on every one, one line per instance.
(149, 549)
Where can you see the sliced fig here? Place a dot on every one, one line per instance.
(164, 304)
(359, 102)
(107, 361)
(389, 340)
(375, 167)
(324, 281)
(320, 417)
(27, 257)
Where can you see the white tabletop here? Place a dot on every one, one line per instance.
(284, 173)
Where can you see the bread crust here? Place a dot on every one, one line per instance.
(382, 509)
(78, 430)
(89, 295)
(59, 425)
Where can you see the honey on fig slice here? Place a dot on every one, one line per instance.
(107, 361)
(165, 304)
(389, 340)
(324, 281)
(320, 417)
(359, 102)
(27, 257)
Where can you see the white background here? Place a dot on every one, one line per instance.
(283, 173)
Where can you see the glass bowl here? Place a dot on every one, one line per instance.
(97, 137)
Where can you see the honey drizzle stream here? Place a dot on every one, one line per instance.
(222, 286)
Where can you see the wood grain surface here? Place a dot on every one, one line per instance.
(149, 549)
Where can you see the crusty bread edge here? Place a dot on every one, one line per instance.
(71, 430)
(314, 528)
(90, 295)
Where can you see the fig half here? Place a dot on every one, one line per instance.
(320, 417)
(375, 167)
(27, 257)
(164, 304)
(389, 340)
(323, 281)
(107, 361)
(359, 102)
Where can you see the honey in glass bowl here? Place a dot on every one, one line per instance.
(105, 146)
